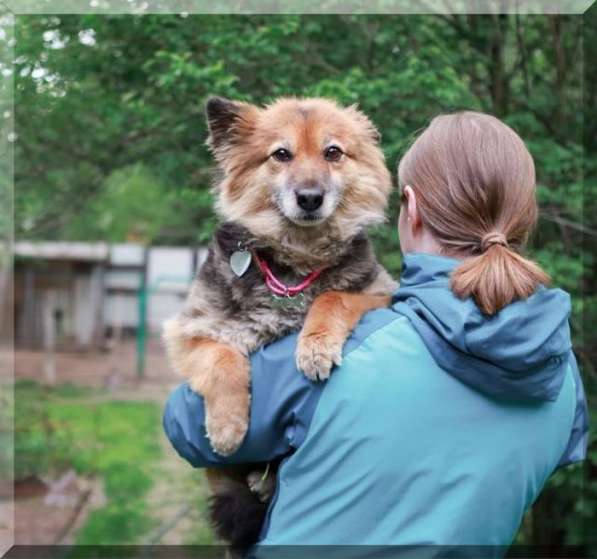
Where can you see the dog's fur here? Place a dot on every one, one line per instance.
(226, 317)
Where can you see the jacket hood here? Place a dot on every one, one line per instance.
(520, 353)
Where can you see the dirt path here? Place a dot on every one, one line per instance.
(115, 369)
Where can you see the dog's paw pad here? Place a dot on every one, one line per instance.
(316, 356)
(255, 481)
(262, 484)
(226, 436)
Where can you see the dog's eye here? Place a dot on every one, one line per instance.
(333, 153)
(282, 155)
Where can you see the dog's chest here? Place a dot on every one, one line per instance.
(266, 308)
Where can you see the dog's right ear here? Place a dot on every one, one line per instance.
(226, 121)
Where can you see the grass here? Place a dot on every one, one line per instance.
(203, 533)
(70, 427)
(6, 430)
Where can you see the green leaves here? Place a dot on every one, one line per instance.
(132, 204)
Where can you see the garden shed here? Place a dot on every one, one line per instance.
(58, 294)
(78, 296)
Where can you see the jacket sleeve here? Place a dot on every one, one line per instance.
(282, 405)
(576, 450)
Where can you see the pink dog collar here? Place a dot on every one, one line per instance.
(279, 288)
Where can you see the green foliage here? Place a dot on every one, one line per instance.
(132, 203)
(109, 114)
(66, 427)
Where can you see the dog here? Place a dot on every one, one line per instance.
(301, 181)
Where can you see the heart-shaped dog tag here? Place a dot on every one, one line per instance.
(240, 260)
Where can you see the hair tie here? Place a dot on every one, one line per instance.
(493, 238)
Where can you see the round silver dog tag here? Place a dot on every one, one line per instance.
(240, 260)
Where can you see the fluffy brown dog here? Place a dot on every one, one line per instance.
(302, 179)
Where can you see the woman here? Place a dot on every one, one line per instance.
(452, 407)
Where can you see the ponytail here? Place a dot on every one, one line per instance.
(474, 181)
(496, 277)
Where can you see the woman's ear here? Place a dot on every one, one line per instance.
(412, 210)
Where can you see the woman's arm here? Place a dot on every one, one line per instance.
(282, 405)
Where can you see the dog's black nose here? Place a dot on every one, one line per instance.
(309, 200)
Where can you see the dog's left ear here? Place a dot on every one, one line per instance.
(227, 121)
(372, 132)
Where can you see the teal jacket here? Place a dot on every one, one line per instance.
(440, 427)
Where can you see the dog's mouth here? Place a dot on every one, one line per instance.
(307, 219)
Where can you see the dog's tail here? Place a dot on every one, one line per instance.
(237, 516)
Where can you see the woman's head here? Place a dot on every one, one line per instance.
(468, 191)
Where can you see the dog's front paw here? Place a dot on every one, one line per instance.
(316, 354)
(226, 427)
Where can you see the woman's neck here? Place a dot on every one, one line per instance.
(426, 243)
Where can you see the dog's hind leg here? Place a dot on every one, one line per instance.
(236, 514)
(330, 320)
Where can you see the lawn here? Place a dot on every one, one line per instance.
(79, 428)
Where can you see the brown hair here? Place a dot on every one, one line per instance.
(474, 180)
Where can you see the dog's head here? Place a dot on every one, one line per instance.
(305, 164)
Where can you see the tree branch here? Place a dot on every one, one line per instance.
(570, 224)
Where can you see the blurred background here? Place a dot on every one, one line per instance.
(113, 212)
